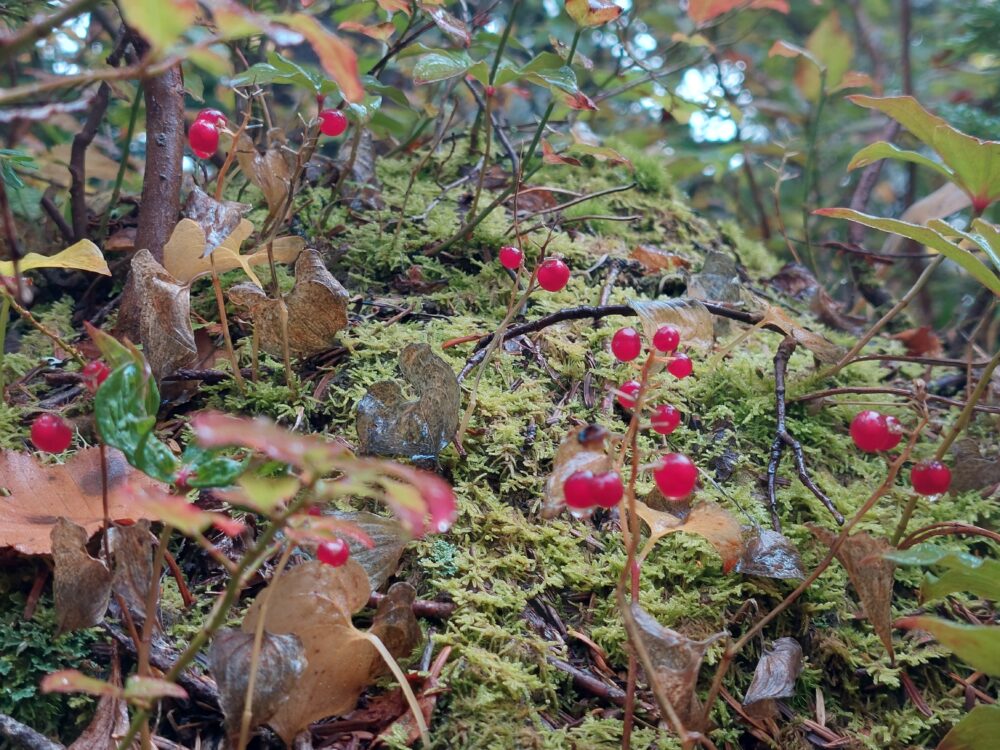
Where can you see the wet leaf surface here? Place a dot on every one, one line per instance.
(871, 574)
(584, 449)
(708, 520)
(164, 317)
(279, 666)
(671, 661)
(316, 309)
(315, 602)
(217, 219)
(775, 676)
(81, 584)
(445, 21)
(390, 425)
(770, 554)
(36, 496)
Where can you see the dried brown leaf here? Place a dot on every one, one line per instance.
(269, 170)
(33, 496)
(671, 661)
(549, 156)
(217, 219)
(185, 258)
(316, 306)
(824, 349)
(689, 316)
(280, 665)
(445, 21)
(719, 279)
(708, 520)
(582, 450)
(778, 669)
(655, 260)
(389, 538)
(862, 556)
(769, 554)
(110, 720)
(164, 316)
(81, 584)
(132, 565)
(390, 425)
(920, 342)
(316, 604)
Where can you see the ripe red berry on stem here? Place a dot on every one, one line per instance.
(676, 476)
(580, 490)
(894, 433)
(213, 117)
(511, 257)
(332, 122)
(203, 137)
(869, 431)
(930, 478)
(628, 392)
(626, 344)
(491, 91)
(333, 553)
(667, 339)
(608, 489)
(553, 274)
(50, 433)
(665, 419)
(94, 373)
(680, 366)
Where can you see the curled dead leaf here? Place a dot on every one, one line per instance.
(217, 219)
(81, 584)
(655, 260)
(825, 350)
(584, 449)
(770, 554)
(132, 566)
(775, 676)
(708, 520)
(390, 425)
(269, 170)
(863, 557)
(164, 316)
(316, 309)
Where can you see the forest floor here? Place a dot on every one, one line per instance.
(533, 598)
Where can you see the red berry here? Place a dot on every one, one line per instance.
(491, 91)
(213, 117)
(203, 138)
(680, 366)
(626, 344)
(580, 490)
(50, 433)
(894, 433)
(629, 391)
(511, 257)
(94, 373)
(608, 489)
(676, 476)
(869, 431)
(665, 419)
(332, 122)
(930, 478)
(333, 553)
(553, 274)
(666, 339)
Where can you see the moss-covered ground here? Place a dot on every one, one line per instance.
(502, 559)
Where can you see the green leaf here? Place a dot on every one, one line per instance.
(988, 238)
(160, 23)
(139, 689)
(592, 12)
(833, 48)
(963, 572)
(977, 731)
(441, 65)
(977, 645)
(926, 236)
(975, 163)
(363, 111)
(884, 150)
(204, 468)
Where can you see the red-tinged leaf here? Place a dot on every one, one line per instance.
(395, 6)
(549, 156)
(74, 681)
(782, 48)
(380, 31)
(217, 430)
(920, 342)
(186, 517)
(437, 497)
(854, 79)
(450, 25)
(701, 11)
(977, 645)
(602, 153)
(336, 57)
(315, 529)
(592, 12)
(140, 689)
(579, 100)
(228, 526)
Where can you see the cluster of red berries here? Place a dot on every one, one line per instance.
(203, 135)
(872, 432)
(584, 489)
(334, 553)
(552, 274)
(51, 433)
